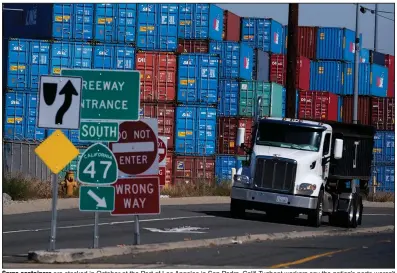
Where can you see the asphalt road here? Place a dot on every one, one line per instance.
(347, 252)
(24, 232)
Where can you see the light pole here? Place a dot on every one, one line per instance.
(356, 67)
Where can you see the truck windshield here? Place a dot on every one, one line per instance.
(287, 136)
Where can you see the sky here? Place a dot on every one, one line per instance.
(329, 15)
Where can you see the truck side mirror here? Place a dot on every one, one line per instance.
(240, 137)
(338, 148)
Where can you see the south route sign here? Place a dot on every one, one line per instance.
(97, 165)
(137, 148)
(137, 196)
(107, 94)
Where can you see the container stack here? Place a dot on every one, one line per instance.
(202, 70)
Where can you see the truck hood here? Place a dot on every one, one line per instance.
(298, 155)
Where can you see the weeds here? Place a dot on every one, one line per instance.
(200, 188)
(381, 197)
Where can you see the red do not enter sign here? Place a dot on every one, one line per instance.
(137, 148)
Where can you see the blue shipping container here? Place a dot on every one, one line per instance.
(83, 22)
(195, 130)
(284, 40)
(103, 56)
(378, 80)
(126, 23)
(40, 21)
(115, 23)
(15, 121)
(27, 60)
(348, 78)
(235, 59)
(265, 34)
(200, 21)
(335, 43)
(124, 57)
(81, 55)
(284, 107)
(383, 178)
(33, 133)
(383, 150)
(224, 165)
(198, 78)
(364, 55)
(61, 57)
(228, 98)
(326, 76)
(262, 66)
(157, 27)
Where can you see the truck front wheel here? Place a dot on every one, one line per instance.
(315, 216)
(237, 208)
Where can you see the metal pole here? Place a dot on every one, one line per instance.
(376, 28)
(137, 236)
(292, 53)
(356, 67)
(54, 212)
(96, 230)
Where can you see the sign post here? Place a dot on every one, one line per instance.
(136, 153)
(108, 98)
(59, 108)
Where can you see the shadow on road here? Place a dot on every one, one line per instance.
(261, 217)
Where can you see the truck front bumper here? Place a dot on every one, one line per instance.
(273, 199)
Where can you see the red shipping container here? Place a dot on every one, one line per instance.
(391, 81)
(378, 107)
(389, 124)
(193, 46)
(158, 76)
(194, 169)
(307, 42)
(169, 168)
(363, 113)
(318, 105)
(227, 134)
(231, 26)
(278, 68)
(278, 71)
(382, 113)
(165, 114)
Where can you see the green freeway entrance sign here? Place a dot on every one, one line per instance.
(97, 165)
(107, 94)
(96, 198)
(99, 131)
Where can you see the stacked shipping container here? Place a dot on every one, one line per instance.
(202, 69)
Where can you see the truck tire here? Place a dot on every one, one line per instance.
(360, 208)
(349, 217)
(237, 209)
(315, 216)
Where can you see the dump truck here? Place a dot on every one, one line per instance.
(317, 168)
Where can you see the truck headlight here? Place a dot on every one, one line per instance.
(306, 187)
(243, 179)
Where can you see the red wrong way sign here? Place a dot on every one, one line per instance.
(137, 196)
(162, 146)
(137, 148)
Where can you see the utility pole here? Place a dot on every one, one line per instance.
(292, 49)
(376, 28)
(356, 67)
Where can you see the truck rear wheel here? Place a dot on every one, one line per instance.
(237, 208)
(316, 215)
(350, 217)
(360, 208)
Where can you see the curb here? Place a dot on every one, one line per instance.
(74, 255)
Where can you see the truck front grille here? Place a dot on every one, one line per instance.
(275, 174)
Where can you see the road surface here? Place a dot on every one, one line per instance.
(25, 232)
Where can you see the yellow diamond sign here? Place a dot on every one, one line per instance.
(57, 151)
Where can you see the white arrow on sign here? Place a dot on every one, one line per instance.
(101, 202)
(178, 230)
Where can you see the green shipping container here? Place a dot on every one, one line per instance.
(272, 98)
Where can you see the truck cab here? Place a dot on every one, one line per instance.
(304, 167)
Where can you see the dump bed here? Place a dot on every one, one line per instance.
(358, 142)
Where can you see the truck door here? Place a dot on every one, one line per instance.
(326, 156)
